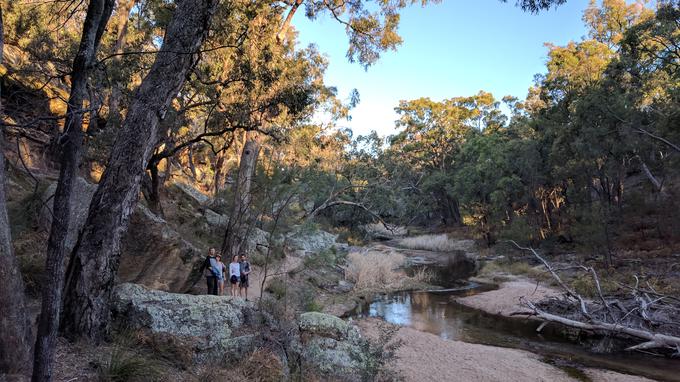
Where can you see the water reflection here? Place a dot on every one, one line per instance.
(435, 312)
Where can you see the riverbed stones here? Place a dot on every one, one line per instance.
(206, 322)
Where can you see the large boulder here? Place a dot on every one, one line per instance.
(206, 323)
(311, 241)
(215, 219)
(80, 204)
(157, 256)
(193, 193)
(331, 346)
(258, 240)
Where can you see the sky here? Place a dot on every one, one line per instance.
(455, 48)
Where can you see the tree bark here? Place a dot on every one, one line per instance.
(238, 220)
(15, 335)
(98, 13)
(124, 9)
(94, 262)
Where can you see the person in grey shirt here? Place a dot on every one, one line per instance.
(244, 267)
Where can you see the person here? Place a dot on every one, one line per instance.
(244, 267)
(234, 275)
(208, 270)
(220, 272)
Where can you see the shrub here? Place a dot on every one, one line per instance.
(326, 258)
(277, 287)
(378, 355)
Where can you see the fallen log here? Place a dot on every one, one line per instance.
(652, 340)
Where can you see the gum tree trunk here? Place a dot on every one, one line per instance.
(94, 262)
(15, 335)
(98, 13)
(235, 234)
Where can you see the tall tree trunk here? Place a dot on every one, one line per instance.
(94, 262)
(15, 328)
(236, 233)
(218, 180)
(98, 13)
(123, 16)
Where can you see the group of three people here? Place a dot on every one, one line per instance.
(237, 273)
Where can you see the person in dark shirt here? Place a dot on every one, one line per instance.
(244, 267)
(210, 265)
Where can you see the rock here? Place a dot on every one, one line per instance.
(195, 194)
(80, 204)
(214, 219)
(314, 242)
(258, 240)
(207, 322)
(378, 231)
(331, 346)
(157, 256)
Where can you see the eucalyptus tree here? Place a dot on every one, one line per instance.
(433, 134)
(94, 262)
(94, 25)
(15, 327)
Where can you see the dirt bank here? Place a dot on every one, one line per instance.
(505, 299)
(426, 357)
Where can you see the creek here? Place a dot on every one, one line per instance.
(435, 311)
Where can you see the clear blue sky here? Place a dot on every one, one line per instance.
(451, 49)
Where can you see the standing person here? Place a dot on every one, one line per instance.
(220, 272)
(208, 269)
(244, 267)
(234, 275)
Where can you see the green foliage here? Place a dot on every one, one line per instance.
(326, 258)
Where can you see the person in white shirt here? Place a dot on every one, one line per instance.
(234, 275)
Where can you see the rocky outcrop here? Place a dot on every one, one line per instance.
(157, 256)
(331, 346)
(215, 219)
(310, 242)
(208, 324)
(193, 193)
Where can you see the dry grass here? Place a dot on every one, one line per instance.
(437, 243)
(375, 270)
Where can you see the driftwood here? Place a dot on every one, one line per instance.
(635, 317)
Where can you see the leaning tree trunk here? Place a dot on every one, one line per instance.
(94, 262)
(98, 13)
(15, 328)
(236, 233)
(124, 8)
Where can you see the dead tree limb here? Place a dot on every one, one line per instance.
(652, 340)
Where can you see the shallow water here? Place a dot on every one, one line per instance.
(436, 312)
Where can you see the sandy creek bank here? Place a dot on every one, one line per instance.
(430, 354)
(427, 357)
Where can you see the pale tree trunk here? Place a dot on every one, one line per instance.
(94, 262)
(236, 231)
(123, 16)
(15, 328)
(98, 13)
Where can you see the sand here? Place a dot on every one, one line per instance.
(506, 299)
(426, 357)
